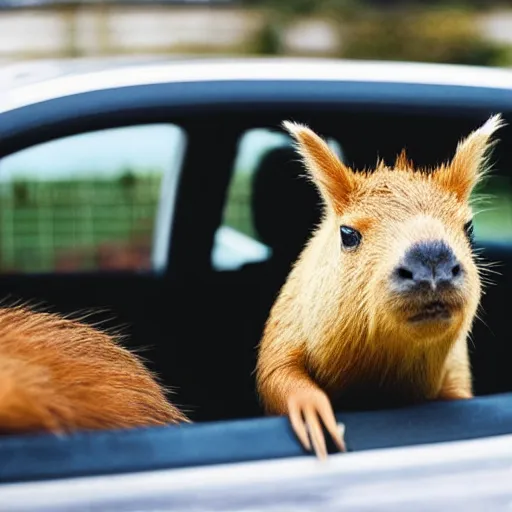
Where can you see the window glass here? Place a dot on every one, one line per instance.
(89, 202)
(237, 241)
(493, 210)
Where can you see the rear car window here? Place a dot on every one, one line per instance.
(92, 202)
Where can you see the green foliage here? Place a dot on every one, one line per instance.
(238, 214)
(443, 35)
(42, 220)
(267, 40)
(314, 6)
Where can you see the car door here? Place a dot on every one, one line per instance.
(110, 217)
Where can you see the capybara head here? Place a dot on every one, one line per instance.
(393, 255)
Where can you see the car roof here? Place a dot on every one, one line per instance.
(59, 79)
(22, 73)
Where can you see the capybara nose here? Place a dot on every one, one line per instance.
(428, 265)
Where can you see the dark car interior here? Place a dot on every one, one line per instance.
(197, 326)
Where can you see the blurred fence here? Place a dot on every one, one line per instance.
(77, 224)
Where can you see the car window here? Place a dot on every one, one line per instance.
(95, 201)
(493, 210)
(237, 241)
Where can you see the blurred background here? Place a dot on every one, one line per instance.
(453, 31)
(89, 202)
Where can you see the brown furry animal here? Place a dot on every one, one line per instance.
(379, 305)
(59, 375)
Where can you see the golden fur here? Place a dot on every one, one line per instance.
(60, 375)
(335, 325)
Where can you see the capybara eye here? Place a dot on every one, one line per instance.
(350, 238)
(468, 229)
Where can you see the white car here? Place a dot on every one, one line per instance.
(210, 267)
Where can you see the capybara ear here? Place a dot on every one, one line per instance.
(469, 163)
(334, 180)
(402, 162)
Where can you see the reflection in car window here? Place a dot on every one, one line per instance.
(88, 202)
